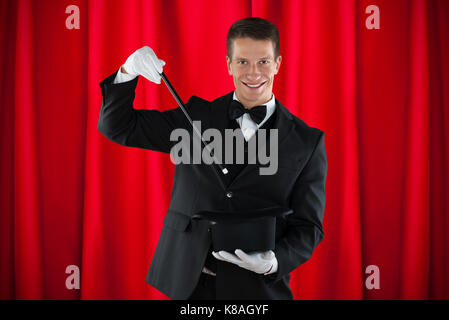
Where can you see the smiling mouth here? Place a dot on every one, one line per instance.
(254, 86)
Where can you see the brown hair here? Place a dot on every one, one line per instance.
(254, 28)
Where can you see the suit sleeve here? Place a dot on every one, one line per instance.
(304, 225)
(121, 123)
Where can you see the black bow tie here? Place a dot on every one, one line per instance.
(257, 113)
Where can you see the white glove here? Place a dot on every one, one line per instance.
(145, 62)
(258, 262)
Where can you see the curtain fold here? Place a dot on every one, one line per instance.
(414, 241)
(69, 196)
(27, 221)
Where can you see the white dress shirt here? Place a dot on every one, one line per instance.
(248, 126)
(122, 77)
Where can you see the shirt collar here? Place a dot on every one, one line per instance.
(271, 106)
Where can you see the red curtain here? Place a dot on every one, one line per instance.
(69, 196)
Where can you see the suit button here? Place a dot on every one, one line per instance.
(229, 194)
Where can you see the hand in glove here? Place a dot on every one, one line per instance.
(145, 62)
(258, 262)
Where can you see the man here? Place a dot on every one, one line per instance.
(184, 265)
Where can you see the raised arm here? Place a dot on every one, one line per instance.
(121, 123)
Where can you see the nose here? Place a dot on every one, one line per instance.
(254, 72)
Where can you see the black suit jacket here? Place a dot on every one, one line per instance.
(184, 243)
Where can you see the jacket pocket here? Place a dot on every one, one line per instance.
(176, 220)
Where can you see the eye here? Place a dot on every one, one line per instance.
(241, 62)
(264, 61)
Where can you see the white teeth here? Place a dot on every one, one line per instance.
(254, 85)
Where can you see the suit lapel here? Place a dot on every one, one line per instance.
(282, 124)
(219, 113)
(220, 120)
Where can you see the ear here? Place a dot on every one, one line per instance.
(278, 64)
(228, 63)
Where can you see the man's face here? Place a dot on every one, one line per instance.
(253, 68)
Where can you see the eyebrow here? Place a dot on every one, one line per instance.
(263, 58)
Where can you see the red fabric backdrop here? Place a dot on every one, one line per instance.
(69, 196)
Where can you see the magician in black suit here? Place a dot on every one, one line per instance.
(184, 266)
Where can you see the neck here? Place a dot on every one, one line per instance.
(250, 104)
